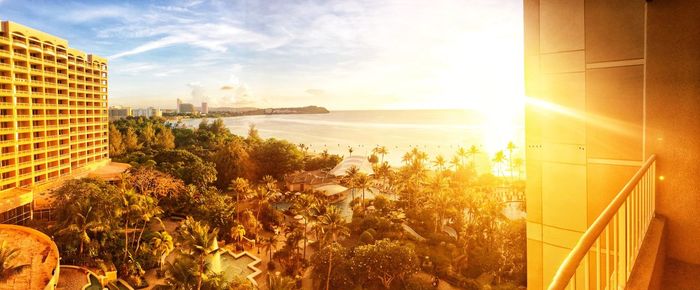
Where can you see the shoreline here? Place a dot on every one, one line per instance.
(239, 115)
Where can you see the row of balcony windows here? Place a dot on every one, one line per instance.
(42, 156)
(21, 41)
(36, 64)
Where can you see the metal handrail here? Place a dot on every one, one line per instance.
(589, 239)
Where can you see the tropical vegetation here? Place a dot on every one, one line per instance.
(439, 216)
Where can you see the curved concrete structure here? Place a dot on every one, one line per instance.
(36, 250)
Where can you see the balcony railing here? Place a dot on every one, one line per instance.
(604, 256)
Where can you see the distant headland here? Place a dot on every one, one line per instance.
(218, 112)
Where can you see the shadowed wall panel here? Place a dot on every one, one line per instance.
(614, 30)
(614, 104)
(673, 119)
(561, 25)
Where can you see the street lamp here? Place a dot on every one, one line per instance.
(302, 220)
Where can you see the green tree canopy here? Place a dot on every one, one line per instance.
(186, 166)
(232, 161)
(277, 158)
(385, 261)
(116, 144)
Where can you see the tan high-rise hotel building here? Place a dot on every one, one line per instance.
(53, 117)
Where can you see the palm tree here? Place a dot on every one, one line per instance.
(278, 282)
(136, 209)
(462, 154)
(383, 171)
(270, 245)
(510, 149)
(364, 182)
(518, 163)
(334, 227)
(83, 221)
(350, 150)
(499, 158)
(473, 151)
(263, 194)
(149, 210)
(304, 149)
(418, 157)
(241, 187)
(439, 199)
(407, 157)
(381, 150)
(238, 233)
(349, 181)
(270, 183)
(455, 162)
(8, 267)
(162, 245)
(181, 273)
(199, 240)
(439, 163)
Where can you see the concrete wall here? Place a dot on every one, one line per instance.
(673, 119)
(584, 70)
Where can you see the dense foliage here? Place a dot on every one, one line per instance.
(226, 187)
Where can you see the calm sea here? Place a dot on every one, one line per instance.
(433, 131)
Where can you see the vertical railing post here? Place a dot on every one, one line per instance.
(616, 233)
(597, 263)
(627, 239)
(607, 256)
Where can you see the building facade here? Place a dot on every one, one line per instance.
(611, 86)
(53, 115)
(186, 108)
(147, 112)
(205, 108)
(119, 112)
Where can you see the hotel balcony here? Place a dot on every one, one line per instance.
(19, 43)
(35, 47)
(20, 68)
(613, 144)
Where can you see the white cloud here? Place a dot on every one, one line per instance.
(89, 13)
(363, 51)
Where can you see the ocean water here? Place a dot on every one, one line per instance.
(433, 131)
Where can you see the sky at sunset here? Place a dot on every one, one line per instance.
(368, 54)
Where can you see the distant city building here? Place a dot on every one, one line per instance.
(147, 112)
(186, 108)
(179, 103)
(205, 108)
(119, 112)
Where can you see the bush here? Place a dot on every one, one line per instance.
(270, 217)
(435, 239)
(381, 203)
(415, 283)
(469, 284)
(372, 232)
(366, 238)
